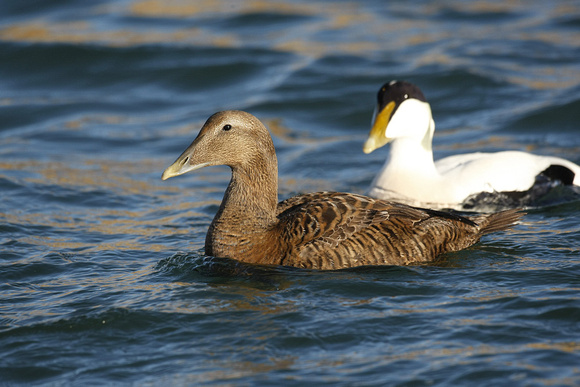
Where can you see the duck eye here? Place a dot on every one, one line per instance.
(227, 127)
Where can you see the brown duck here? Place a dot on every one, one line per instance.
(323, 230)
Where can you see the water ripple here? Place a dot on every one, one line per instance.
(103, 278)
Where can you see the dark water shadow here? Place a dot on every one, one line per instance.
(196, 267)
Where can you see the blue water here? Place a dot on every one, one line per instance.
(103, 279)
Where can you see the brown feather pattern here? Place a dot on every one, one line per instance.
(323, 230)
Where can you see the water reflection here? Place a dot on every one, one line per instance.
(318, 29)
(100, 254)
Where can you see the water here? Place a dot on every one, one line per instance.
(103, 278)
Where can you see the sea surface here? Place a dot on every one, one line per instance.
(103, 277)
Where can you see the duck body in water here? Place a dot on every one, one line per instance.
(323, 230)
(474, 181)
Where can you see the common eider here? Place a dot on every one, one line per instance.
(468, 181)
(323, 230)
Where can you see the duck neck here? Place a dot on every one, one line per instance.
(253, 193)
(247, 211)
(407, 153)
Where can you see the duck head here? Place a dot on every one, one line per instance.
(402, 111)
(233, 138)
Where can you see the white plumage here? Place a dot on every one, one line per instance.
(481, 181)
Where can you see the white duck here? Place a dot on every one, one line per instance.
(480, 181)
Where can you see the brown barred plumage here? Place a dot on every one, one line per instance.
(323, 230)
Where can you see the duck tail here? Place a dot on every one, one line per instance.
(498, 221)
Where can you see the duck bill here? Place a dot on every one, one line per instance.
(183, 164)
(377, 136)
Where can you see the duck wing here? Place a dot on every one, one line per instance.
(329, 230)
(330, 216)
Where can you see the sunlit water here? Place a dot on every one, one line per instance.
(103, 277)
